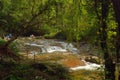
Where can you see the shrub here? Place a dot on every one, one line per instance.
(13, 47)
(2, 41)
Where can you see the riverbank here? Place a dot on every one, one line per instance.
(78, 69)
(27, 69)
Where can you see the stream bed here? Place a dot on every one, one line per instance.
(38, 46)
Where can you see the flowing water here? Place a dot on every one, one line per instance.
(50, 45)
(88, 66)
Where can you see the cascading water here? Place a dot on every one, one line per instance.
(88, 66)
(49, 46)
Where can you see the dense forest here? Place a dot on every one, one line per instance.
(93, 21)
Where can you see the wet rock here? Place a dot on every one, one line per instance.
(93, 59)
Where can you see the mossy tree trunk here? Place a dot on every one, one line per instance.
(6, 51)
(116, 5)
(102, 18)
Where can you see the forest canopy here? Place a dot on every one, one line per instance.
(72, 18)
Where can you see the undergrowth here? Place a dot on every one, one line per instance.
(33, 71)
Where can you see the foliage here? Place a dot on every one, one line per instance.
(70, 17)
(86, 75)
(12, 46)
(19, 17)
(49, 32)
(33, 71)
(2, 41)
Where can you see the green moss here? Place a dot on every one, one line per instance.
(13, 47)
(2, 41)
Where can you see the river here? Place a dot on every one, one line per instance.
(38, 46)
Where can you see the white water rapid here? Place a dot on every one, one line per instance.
(88, 66)
(50, 46)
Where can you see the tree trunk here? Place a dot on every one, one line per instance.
(9, 41)
(109, 66)
(116, 5)
(6, 51)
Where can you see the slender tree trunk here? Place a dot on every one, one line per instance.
(116, 5)
(109, 66)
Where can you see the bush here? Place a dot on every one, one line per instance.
(2, 41)
(13, 47)
(51, 69)
(61, 35)
(33, 71)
